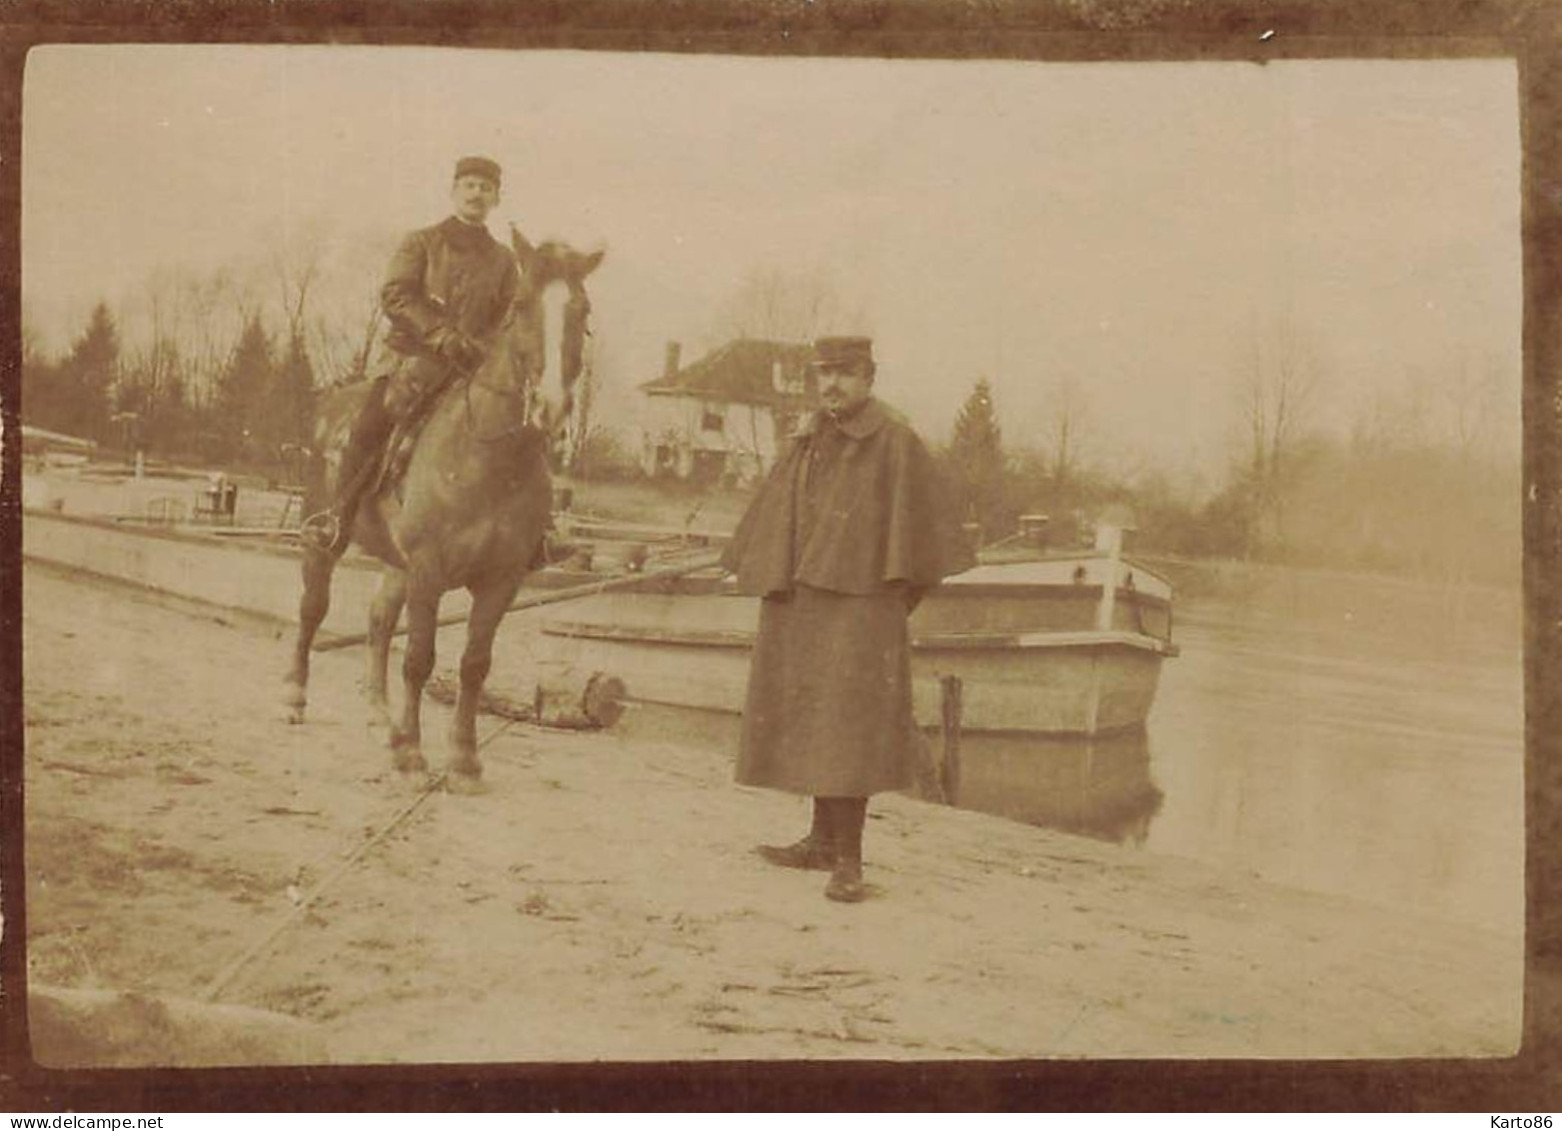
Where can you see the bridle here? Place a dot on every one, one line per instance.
(574, 335)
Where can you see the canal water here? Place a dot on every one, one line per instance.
(1349, 735)
(1343, 734)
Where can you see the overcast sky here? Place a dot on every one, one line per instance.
(1133, 226)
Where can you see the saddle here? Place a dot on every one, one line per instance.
(402, 443)
(411, 397)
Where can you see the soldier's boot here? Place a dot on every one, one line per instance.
(847, 817)
(816, 850)
(330, 530)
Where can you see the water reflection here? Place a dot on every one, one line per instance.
(1097, 787)
(1100, 788)
(1350, 739)
(1345, 736)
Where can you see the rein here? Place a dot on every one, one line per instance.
(575, 333)
(511, 431)
(469, 380)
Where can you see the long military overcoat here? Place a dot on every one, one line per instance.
(841, 540)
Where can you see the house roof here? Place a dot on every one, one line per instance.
(741, 372)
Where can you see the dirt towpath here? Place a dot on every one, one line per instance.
(601, 901)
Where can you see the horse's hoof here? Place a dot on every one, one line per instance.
(408, 759)
(410, 763)
(468, 783)
(415, 783)
(295, 715)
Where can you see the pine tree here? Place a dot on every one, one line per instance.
(153, 387)
(245, 416)
(42, 404)
(172, 415)
(85, 378)
(294, 403)
(977, 461)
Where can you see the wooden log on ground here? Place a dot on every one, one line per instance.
(578, 700)
(443, 688)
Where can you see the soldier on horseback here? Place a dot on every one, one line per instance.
(447, 288)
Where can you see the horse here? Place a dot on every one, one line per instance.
(471, 510)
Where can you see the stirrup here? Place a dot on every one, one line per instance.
(321, 531)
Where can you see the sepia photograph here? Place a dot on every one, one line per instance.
(552, 555)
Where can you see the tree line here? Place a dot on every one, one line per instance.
(1420, 484)
(1424, 480)
(225, 369)
(221, 366)
(256, 410)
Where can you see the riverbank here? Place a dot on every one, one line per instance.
(600, 901)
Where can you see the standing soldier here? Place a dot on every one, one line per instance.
(447, 288)
(841, 543)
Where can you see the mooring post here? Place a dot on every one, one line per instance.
(949, 718)
(930, 785)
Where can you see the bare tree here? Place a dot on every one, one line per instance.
(1471, 395)
(32, 340)
(785, 304)
(155, 357)
(1277, 398)
(295, 265)
(329, 291)
(211, 312)
(1068, 412)
(347, 316)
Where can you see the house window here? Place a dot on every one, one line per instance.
(711, 420)
(785, 381)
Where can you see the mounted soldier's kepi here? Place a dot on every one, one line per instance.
(479, 167)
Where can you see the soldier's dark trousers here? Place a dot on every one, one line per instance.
(845, 817)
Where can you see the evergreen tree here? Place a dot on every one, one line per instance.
(171, 414)
(294, 402)
(977, 462)
(79, 401)
(42, 404)
(154, 388)
(245, 415)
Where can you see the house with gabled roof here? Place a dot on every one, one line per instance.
(725, 417)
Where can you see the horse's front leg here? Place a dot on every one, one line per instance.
(318, 565)
(489, 603)
(417, 665)
(384, 612)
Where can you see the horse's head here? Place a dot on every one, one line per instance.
(547, 329)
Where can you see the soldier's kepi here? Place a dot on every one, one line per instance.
(446, 288)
